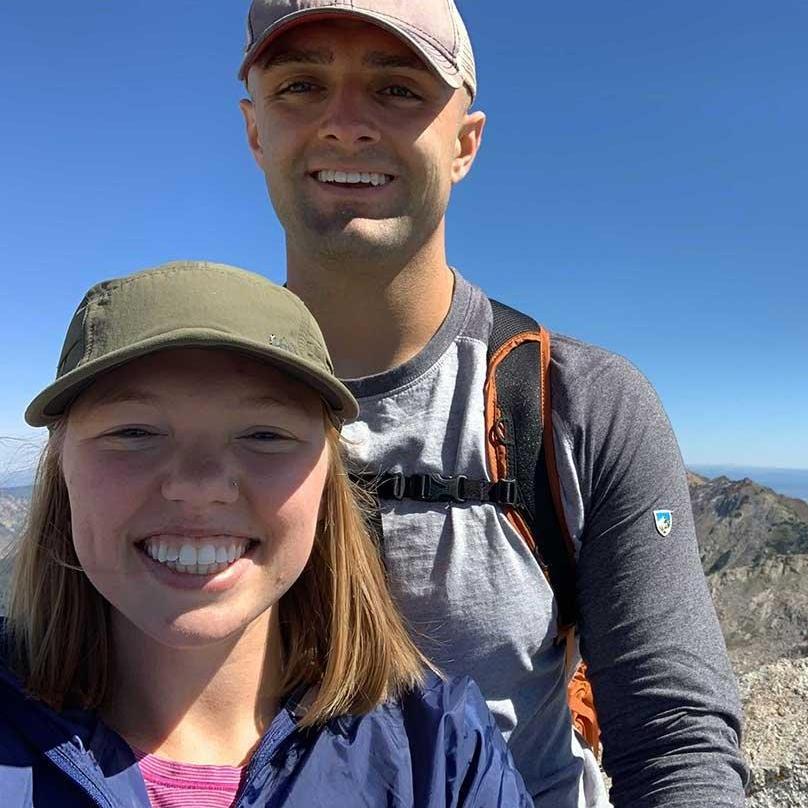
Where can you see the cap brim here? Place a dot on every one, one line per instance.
(53, 401)
(432, 56)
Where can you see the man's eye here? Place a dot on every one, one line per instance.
(297, 87)
(399, 91)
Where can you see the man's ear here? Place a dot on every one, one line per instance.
(253, 140)
(469, 138)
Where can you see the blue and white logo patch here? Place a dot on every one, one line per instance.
(663, 520)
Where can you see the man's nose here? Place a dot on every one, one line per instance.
(348, 121)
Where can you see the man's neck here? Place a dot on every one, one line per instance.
(209, 705)
(374, 319)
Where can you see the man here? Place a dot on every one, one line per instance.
(359, 116)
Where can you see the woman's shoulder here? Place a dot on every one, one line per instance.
(453, 736)
(439, 698)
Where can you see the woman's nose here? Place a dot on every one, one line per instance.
(200, 477)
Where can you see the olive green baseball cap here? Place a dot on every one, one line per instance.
(190, 304)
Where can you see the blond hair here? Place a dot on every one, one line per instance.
(340, 629)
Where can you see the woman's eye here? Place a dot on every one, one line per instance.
(265, 436)
(131, 432)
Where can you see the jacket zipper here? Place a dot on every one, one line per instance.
(62, 761)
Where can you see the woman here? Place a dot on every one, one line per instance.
(198, 615)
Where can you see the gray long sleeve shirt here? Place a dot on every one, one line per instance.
(479, 604)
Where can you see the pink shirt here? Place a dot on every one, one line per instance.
(187, 785)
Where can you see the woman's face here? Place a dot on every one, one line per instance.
(195, 478)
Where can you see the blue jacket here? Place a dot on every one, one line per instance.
(438, 747)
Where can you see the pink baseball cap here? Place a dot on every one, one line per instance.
(432, 28)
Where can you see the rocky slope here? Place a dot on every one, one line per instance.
(763, 609)
(776, 706)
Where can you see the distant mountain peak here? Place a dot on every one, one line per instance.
(740, 522)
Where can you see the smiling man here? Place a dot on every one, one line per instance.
(361, 118)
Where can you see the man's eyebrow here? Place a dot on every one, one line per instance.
(297, 56)
(393, 60)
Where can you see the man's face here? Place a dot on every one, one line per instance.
(359, 142)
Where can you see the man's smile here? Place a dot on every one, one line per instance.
(351, 178)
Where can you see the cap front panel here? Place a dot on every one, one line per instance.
(163, 301)
(432, 20)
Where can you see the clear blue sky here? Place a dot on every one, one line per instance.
(643, 184)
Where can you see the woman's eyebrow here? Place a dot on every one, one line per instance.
(124, 395)
(269, 400)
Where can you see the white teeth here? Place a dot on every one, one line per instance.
(195, 559)
(353, 177)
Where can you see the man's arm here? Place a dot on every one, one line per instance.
(665, 694)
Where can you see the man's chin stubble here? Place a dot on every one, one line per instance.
(358, 241)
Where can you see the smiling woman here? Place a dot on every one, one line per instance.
(197, 601)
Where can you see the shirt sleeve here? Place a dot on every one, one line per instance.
(664, 690)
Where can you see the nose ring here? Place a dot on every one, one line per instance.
(234, 483)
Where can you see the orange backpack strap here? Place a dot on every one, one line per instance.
(582, 707)
(521, 448)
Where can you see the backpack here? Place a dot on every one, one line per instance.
(520, 455)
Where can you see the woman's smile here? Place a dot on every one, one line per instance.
(209, 565)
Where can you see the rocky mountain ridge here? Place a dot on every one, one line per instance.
(741, 523)
(13, 510)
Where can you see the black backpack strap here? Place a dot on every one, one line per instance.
(437, 488)
(521, 428)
